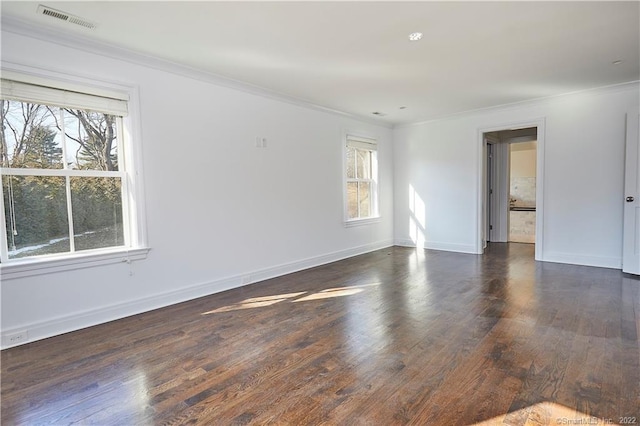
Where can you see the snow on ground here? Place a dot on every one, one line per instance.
(17, 251)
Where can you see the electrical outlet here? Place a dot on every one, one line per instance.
(16, 338)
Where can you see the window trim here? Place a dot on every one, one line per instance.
(133, 203)
(362, 141)
(47, 264)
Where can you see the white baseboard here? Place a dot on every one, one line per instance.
(554, 257)
(300, 265)
(576, 259)
(432, 245)
(64, 324)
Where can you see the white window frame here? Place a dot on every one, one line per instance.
(370, 144)
(130, 172)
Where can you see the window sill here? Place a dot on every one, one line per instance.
(359, 222)
(31, 267)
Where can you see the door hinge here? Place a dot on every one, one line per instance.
(490, 227)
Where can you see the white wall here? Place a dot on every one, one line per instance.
(583, 175)
(218, 208)
(523, 159)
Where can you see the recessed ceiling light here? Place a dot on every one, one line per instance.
(402, 107)
(415, 36)
(618, 62)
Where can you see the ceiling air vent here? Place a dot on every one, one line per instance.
(66, 17)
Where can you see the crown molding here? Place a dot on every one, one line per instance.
(23, 28)
(619, 87)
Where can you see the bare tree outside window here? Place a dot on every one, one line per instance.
(37, 138)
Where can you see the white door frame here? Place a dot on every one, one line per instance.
(538, 123)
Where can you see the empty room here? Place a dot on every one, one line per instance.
(303, 213)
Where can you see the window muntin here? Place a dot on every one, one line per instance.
(361, 178)
(64, 187)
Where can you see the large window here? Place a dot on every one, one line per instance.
(361, 178)
(65, 183)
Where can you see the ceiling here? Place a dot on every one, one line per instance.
(356, 57)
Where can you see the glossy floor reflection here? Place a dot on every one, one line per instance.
(395, 336)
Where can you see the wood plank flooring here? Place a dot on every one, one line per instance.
(398, 336)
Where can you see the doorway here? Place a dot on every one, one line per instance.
(511, 190)
(522, 191)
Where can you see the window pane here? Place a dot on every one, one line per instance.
(364, 190)
(352, 200)
(97, 212)
(351, 161)
(91, 140)
(30, 138)
(363, 164)
(36, 215)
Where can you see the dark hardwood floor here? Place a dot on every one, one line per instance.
(392, 337)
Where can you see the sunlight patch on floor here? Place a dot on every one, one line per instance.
(332, 292)
(262, 301)
(278, 297)
(256, 302)
(547, 413)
